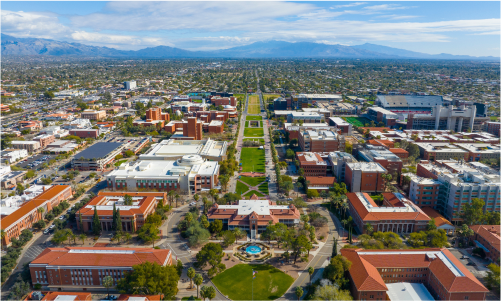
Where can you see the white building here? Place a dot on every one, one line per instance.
(69, 93)
(190, 174)
(175, 149)
(130, 85)
(14, 155)
(79, 123)
(4, 170)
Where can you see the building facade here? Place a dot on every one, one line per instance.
(321, 141)
(93, 115)
(365, 177)
(488, 238)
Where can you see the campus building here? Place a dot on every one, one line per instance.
(397, 214)
(294, 129)
(488, 238)
(29, 213)
(282, 104)
(186, 106)
(97, 156)
(191, 174)
(93, 115)
(133, 216)
(388, 118)
(192, 129)
(320, 183)
(223, 101)
(441, 151)
(172, 149)
(321, 141)
(493, 128)
(460, 182)
(423, 191)
(379, 154)
(338, 162)
(447, 118)
(303, 100)
(13, 155)
(480, 151)
(365, 177)
(313, 164)
(30, 146)
(254, 215)
(84, 268)
(374, 273)
(154, 116)
(343, 126)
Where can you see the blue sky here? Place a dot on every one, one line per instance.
(456, 27)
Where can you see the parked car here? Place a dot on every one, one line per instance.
(46, 231)
(52, 227)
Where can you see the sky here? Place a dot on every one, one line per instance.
(454, 27)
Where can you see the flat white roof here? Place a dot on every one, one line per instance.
(407, 207)
(246, 207)
(405, 291)
(366, 166)
(65, 298)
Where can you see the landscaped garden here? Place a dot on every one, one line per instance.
(237, 283)
(250, 193)
(253, 132)
(260, 140)
(357, 121)
(118, 163)
(252, 159)
(254, 118)
(254, 106)
(252, 181)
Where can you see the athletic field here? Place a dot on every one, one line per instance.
(357, 121)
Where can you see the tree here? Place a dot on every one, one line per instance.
(198, 279)
(82, 238)
(298, 291)
(464, 232)
(287, 187)
(328, 291)
(431, 225)
(204, 222)
(493, 277)
(413, 150)
(348, 147)
(154, 219)
(150, 279)
(473, 212)
(311, 270)
(49, 95)
(369, 228)
(191, 274)
(289, 154)
(179, 267)
(312, 193)
(216, 226)
(238, 233)
(19, 290)
(386, 179)
(211, 254)
(171, 195)
(96, 224)
(127, 200)
(148, 233)
(107, 283)
(228, 238)
(336, 270)
(60, 236)
(39, 225)
(208, 292)
(224, 179)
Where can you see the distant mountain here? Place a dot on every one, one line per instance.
(270, 49)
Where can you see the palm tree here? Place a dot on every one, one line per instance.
(3, 234)
(73, 237)
(191, 274)
(311, 270)
(171, 195)
(107, 283)
(198, 279)
(41, 210)
(196, 197)
(238, 233)
(82, 238)
(344, 222)
(204, 200)
(118, 236)
(176, 196)
(369, 228)
(345, 207)
(128, 237)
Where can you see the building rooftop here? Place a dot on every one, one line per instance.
(310, 158)
(177, 148)
(441, 147)
(406, 291)
(410, 100)
(339, 121)
(98, 150)
(366, 166)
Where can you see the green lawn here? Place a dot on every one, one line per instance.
(241, 188)
(253, 132)
(254, 118)
(493, 118)
(237, 283)
(253, 181)
(190, 298)
(357, 121)
(252, 159)
(198, 101)
(254, 109)
(120, 162)
(250, 193)
(371, 102)
(246, 124)
(264, 188)
(253, 100)
(254, 139)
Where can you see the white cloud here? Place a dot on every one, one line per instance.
(32, 24)
(348, 5)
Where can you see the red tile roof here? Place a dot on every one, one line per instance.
(65, 256)
(365, 276)
(398, 151)
(325, 181)
(367, 215)
(125, 297)
(51, 296)
(439, 219)
(490, 233)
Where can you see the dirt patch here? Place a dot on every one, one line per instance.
(290, 269)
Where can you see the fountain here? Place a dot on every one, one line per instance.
(253, 249)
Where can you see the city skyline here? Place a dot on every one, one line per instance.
(461, 28)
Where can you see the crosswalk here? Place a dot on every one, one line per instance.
(34, 251)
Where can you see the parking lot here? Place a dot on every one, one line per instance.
(36, 162)
(134, 143)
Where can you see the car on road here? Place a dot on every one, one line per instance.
(52, 227)
(193, 203)
(61, 217)
(46, 231)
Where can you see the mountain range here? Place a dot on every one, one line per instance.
(12, 46)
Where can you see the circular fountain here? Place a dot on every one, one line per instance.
(253, 249)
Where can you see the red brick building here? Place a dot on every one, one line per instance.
(320, 183)
(75, 268)
(67, 296)
(208, 116)
(132, 217)
(193, 128)
(215, 127)
(488, 238)
(401, 153)
(312, 164)
(320, 141)
(494, 128)
(253, 215)
(28, 214)
(223, 101)
(364, 177)
(44, 140)
(397, 214)
(85, 133)
(445, 277)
